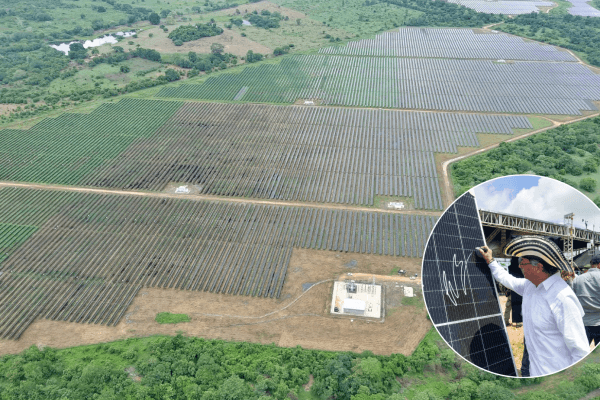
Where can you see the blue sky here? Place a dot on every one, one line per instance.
(537, 197)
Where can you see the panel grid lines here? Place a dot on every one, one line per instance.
(459, 290)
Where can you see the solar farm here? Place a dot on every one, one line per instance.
(400, 70)
(516, 7)
(312, 155)
(508, 7)
(582, 8)
(83, 257)
(89, 217)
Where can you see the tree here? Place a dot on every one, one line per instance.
(171, 75)
(165, 13)
(253, 57)
(588, 184)
(490, 391)
(281, 50)
(77, 51)
(234, 388)
(154, 18)
(217, 48)
(590, 165)
(125, 69)
(192, 56)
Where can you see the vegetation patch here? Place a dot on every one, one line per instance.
(413, 301)
(568, 153)
(168, 318)
(195, 368)
(188, 33)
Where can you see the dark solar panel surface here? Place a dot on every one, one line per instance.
(459, 290)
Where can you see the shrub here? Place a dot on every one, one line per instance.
(588, 184)
(190, 32)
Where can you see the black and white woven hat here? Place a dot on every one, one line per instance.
(539, 247)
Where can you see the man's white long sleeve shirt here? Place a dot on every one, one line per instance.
(552, 321)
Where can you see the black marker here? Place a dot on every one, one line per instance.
(477, 251)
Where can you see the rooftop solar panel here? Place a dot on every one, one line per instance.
(460, 293)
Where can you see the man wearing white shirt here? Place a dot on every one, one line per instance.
(552, 315)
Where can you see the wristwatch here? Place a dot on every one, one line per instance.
(492, 260)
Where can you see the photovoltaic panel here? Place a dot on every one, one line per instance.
(460, 292)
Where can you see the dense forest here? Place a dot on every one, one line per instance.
(191, 368)
(562, 153)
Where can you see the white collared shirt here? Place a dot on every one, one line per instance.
(552, 321)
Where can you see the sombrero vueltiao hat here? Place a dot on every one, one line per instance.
(539, 247)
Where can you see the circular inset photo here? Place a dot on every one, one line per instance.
(511, 276)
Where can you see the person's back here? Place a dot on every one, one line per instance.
(587, 290)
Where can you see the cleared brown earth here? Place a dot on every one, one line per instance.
(6, 109)
(234, 43)
(263, 5)
(306, 322)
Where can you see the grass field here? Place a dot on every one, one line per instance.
(106, 75)
(357, 17)
(168, 318)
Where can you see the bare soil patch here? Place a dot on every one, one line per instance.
(306, 322)
(311, 380)
(6, 109)
(263, 5)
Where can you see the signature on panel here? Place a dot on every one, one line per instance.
(452, 290)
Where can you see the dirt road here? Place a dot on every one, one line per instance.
(379, 278)
(449, 190)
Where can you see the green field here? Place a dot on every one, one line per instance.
(168, 318)
(357, 17)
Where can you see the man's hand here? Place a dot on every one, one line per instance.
(486, 253)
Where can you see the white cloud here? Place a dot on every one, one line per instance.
(549, 201)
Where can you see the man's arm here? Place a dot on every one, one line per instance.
(517, 285)
(568, 316)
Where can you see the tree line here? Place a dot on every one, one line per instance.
(191, 368)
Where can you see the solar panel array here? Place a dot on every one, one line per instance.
(460, 292)
(508, 7)
(83, 257)
(451, 43)
(300, 153)
(409, 83)
(583, 8)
